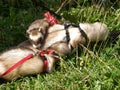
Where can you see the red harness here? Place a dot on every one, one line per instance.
(51, 20)
(41, 54)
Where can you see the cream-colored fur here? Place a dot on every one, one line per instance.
(31, 66)
(55, 28)
(96, 31)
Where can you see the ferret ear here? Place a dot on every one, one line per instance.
(28, 31)
(41, 30)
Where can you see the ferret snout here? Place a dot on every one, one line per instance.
(37, 46)
(36, 40)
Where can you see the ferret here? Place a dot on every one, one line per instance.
(38, 28)
(95, 32)
(32, 66)
(56, 39)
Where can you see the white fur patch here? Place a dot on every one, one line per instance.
(35, 37)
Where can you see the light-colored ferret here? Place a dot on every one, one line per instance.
(95, 32)
(32, 66)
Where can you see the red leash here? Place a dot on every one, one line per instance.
(17, 64)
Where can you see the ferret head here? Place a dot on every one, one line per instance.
(36, 32)
(36, 36)
(52, 60)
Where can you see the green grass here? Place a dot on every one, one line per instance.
(97, 68)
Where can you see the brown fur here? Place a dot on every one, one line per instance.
(31, 66)
(39, 24)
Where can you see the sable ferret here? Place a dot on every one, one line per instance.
(38, 29)
(95, 32)
(32, 66)
(57, 41)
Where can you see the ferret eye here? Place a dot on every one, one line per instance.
(40, 40)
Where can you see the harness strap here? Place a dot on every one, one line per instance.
(17, 64)
(83, 34)
(45, 65)
(42, 54)
(45, 61)
(66, 26)
(81, 31)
